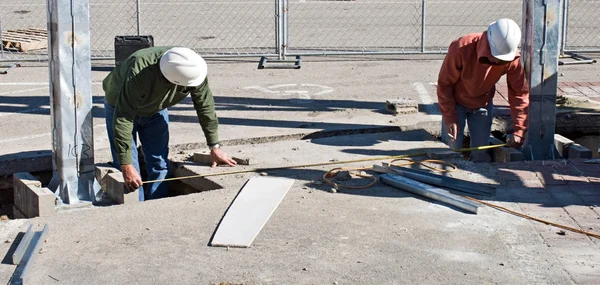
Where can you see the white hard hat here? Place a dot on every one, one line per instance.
(183, 66)
(504, 37)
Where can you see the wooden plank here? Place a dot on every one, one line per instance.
(250, 211)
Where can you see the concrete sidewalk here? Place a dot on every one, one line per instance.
(378, 235)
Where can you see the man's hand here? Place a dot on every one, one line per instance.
(514, 141)
(219, 157)
(131, 176)
(452, 130)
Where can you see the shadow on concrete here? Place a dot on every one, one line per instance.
(13, 247)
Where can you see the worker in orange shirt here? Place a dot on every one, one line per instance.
(466, 86)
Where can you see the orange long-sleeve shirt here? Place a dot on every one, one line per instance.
(467, 78)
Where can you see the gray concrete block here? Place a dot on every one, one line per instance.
(504, 154)
(578, 151)
(202, 157)
(40, 203)
(30, 198)
(22, 181)
(118, 192)
(401, 106)
(561, 144)
(102, 170)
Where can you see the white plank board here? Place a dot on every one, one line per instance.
(250, 211)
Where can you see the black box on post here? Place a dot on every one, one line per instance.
(126, 45)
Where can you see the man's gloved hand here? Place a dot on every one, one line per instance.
(131, 176)
(514, 141)
(220, 157)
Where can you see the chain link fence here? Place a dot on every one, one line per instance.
(232, 28)
(582, 27)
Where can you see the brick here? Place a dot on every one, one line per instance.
(566, 198)
(585, 190)
(30, 198)
(102, 170)
(553, 179)
(595, 88)
(586, 90)
(570, 90)
(578, 151)
(118, 192)
(572, 179)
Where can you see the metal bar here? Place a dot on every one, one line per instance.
(137, 15)
(33, 253)
(23, 245)
(438, 180)
(71, 100)
(327, 53)
(423, 17)
(582, 50)
(430, 192)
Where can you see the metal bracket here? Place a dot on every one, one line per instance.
(26, 253)
(297, 62)
(9, 67)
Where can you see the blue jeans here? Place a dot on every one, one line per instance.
(480, 125)
(153, 132)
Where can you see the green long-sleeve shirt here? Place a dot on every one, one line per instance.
(137, 88)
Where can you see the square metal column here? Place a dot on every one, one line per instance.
(71, 100)
(540, 49)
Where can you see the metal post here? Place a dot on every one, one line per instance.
(540, 50)
(284, 28)
(423, 17)
(137, 15)
(278, 27)
(565, 26)
(71, 99)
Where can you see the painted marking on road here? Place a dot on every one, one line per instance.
(298, 89)
(425, 98)
(39, 135)
(23, 90)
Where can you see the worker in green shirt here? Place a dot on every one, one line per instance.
(138, 93)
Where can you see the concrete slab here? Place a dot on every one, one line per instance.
(315, 237)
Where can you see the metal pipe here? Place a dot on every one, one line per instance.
(565, 26)
(23, 245)
(284, 29)
(423, 17)
(326, 53)
(137, 14)
(430, 192)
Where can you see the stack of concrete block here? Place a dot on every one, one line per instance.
(401, 106)
(569, 149)
(31, 199)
